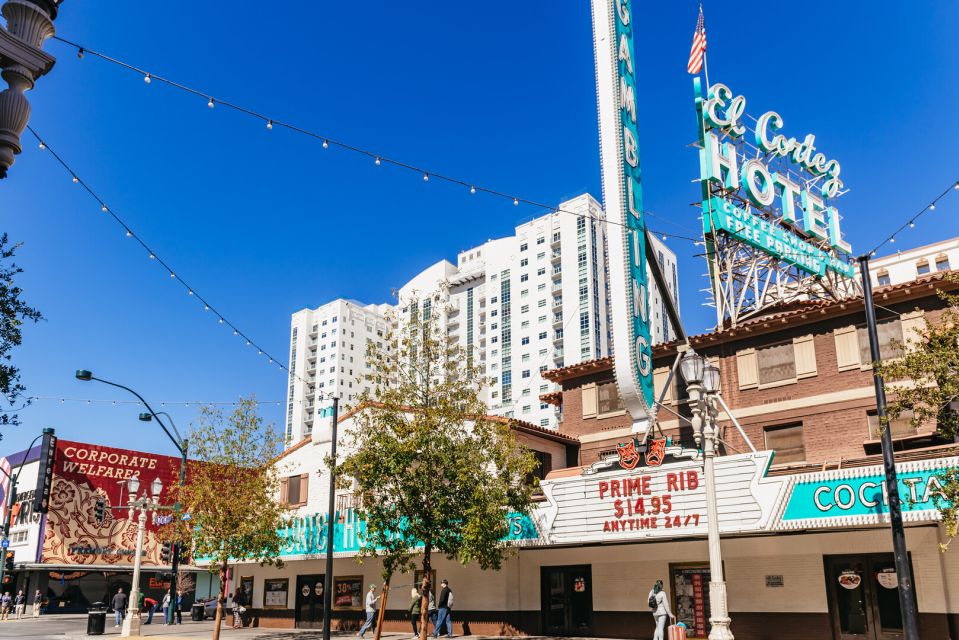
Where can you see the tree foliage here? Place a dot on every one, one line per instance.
(14, 312)
(430, 472)
(231, 492)
(925, 380)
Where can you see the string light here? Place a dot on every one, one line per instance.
(912, 225)
(515, 202)
(146, 78)
(153, 256)
(911, 222)
(80, 53)
(75, 179)
(103, 208)
(377, 161)
(932, 207)
(956, 186)
(42, 146)
(185, 403)
(326, 141)
(269, 124)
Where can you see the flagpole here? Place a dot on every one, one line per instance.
(706, 70)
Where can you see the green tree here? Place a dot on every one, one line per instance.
(430, 473)
(925, 381)
(14, 312)
(231, 493)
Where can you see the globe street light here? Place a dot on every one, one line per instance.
(703, 384)
(179, 442)
(131, 623)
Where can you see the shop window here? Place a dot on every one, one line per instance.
(776, 363)
(901, 427)
(890, 341)
(787, 441)
(293, 490)
(608, 398)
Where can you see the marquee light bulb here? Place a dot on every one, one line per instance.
(326, 144)
(210, 103)
(147, 78)
(269, 124)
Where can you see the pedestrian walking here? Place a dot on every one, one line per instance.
(151, 607)
(37, 603)
(20, 604)
(166, 607)
(178, 608)
(239, 606)
(431, 609)
(371, 601)
(6, 603)
(659, 605)
(444, 616)
(415, 609)
(119, 604)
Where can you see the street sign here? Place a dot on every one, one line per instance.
(4, 543)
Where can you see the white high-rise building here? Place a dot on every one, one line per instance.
(518, 305)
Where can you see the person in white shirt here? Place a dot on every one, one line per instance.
(661, 611)
(370, 612)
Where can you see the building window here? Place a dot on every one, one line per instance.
(883, 278)
(541, 272)
(942, 262)
(526, 373)
(608, 398)
(901, 426)
(524, 277)
(525, 340)
(523, 247)
(526, 408)
(922, 267)
(544, 464)
(776, 363)
(524, 262)
(890, 341)
(540, 240)
(540, 255)
(544, 422)
(787, 441)
(293, 490)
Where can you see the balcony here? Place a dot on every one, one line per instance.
(557, 320)
(557, 287)
(556, 257)
(558, 337)
(556, 241)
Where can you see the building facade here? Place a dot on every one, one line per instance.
(519, 306)
(805, 536)
(904, 266)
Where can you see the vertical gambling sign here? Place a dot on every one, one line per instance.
(623, 202)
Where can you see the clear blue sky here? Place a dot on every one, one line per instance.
(500, 93)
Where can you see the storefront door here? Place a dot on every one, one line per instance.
(309, 602)
(864, 597)
(567, 600)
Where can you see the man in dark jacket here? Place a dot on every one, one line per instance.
(119, 604)
(445, 615)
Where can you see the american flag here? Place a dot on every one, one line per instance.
(699, 45)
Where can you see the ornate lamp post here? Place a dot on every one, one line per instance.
(22, 60)
(702, 383)
(131, 624)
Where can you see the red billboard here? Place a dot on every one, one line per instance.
(85, 473)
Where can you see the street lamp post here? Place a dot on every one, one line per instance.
(131, 623)
(181, 445)
(702, 381)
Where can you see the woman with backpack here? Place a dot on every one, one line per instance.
(659, 605)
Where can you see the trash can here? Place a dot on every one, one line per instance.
(96, 619)
(197, 613)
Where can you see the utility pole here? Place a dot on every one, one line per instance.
(330, 521)
(22, 60)
(907, 595)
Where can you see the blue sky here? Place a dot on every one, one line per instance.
(500, 93)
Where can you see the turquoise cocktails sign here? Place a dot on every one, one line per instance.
(818, 499)
(306, 535)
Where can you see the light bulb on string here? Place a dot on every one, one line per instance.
(664, 236)
(189, 292)
(129, 233)
(472, 189)
(426, 177)
(956, 186)
(235, 332)
(892, 240)
(75, 179)
(515, 202)
(326, 144)
(147, 78)
(152, 257)
(873, 254)
(269, 124)
(206, 307)
(42, 146)
(932, 207)
(172, 275)
(210, 103)
(103, 208)
(377, 161)
(221, 320)
(80, 53)
(912, 225)
(248, 343)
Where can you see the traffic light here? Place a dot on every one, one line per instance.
(100, 510)
(8, 562)
(166, 553)
(48, 452)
